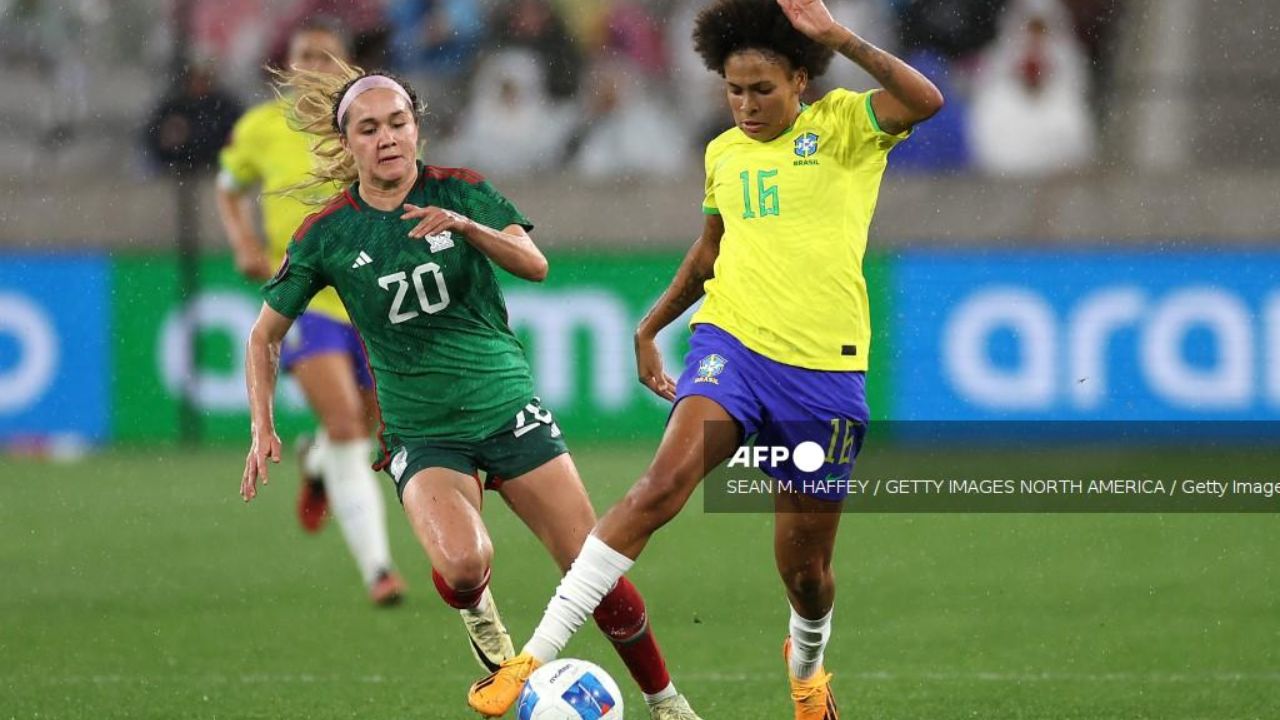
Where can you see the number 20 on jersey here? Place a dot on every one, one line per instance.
(401, 281)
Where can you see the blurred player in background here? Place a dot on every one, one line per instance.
(779, 349)
(323, 352)
(410, 249)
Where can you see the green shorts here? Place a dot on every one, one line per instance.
(527, 442)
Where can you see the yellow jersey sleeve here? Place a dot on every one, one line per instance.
(239, 159)
(863, 136)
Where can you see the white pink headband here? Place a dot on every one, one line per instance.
(364, 85)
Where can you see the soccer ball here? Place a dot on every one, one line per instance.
(569, 690)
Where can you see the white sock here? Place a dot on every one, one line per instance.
(663, 694)
(808, 641)
(591, 577)
(313, 461)
(357, 504)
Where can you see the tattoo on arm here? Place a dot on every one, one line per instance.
(687, 293)
(692, 289)
(686, 288)
(915, 97)
(872, 59)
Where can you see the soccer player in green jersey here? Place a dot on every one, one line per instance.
(410, 250)
(779, 347)
(322, 352)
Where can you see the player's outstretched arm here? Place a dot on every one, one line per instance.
(908, 98)
(685, 289)
(262, 361)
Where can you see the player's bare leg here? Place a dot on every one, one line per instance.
(804, 543)
(699, 436)
(343, 409)
(553, 503)
(443, 507)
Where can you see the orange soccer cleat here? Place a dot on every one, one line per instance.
(813, 697)
(494, 695)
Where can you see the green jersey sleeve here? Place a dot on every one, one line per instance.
(487, 206)
(300, 276)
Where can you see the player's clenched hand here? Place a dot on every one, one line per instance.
(433, 221)
(266, 446)
(649, 368)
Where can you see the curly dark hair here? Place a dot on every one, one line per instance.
(418, 108)
(730, 26)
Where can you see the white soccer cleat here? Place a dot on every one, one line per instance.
(490, 642)
(673, 708)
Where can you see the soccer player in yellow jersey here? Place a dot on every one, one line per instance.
(323, 352)
(779, 348)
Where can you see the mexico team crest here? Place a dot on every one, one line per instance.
(807, 145)
(709, 368)
(441, 241)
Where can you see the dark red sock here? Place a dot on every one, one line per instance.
(460, 599)
(622, 617)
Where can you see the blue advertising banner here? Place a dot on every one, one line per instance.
(54, 354)
(1088, 335)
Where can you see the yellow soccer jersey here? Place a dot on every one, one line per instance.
(788, 281)
(265, 151)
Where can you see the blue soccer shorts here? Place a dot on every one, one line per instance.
(783, 405)
(316, 334)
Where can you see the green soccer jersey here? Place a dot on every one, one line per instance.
(429, 311)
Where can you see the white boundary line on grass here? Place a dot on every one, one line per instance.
(997, 677)
(709, 677)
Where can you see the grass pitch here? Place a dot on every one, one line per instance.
(137, 585)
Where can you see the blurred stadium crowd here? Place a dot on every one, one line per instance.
(600, 88)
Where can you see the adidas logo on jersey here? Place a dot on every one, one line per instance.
(362, 260)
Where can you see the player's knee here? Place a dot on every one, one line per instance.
(807, 581)
(460, 588)
(345, 426)
(465, 569)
